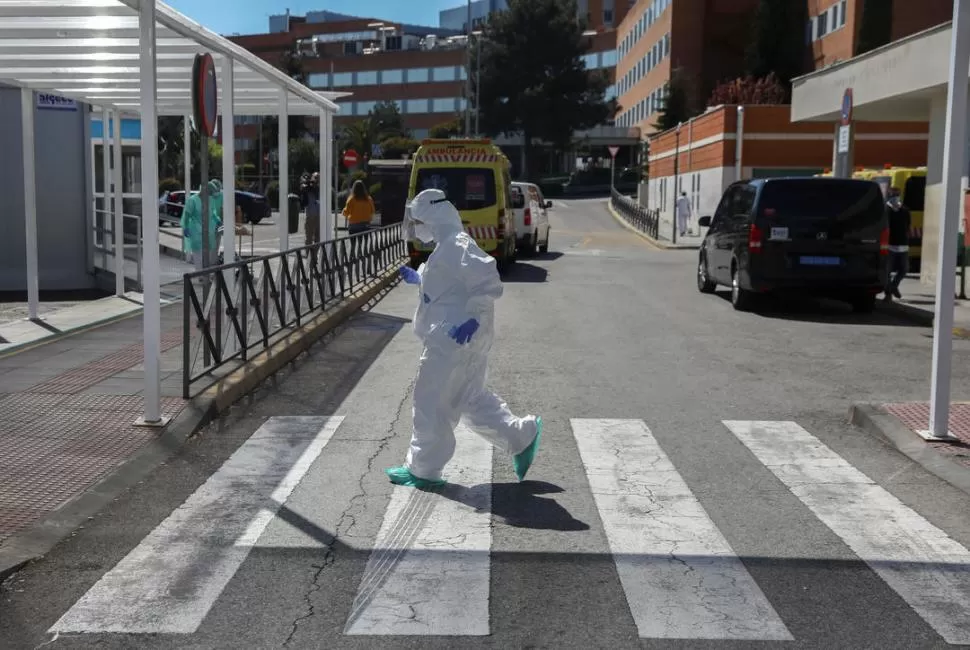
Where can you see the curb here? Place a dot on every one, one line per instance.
(35, 542)
(655, 242)
(873, 420)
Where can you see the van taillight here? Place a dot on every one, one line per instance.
(528, 216)
(884, 242)
(755, 237)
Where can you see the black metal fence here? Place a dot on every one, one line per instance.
(232, 309)
(643, 219)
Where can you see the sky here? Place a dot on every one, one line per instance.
(252, 16)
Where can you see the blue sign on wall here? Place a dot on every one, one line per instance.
(48, 102)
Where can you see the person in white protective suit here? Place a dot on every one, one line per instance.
(458, 287)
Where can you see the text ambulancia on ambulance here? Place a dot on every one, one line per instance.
(475, 176)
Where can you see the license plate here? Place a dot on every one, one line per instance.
(820, 261)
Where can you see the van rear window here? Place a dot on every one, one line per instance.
(518, 199)
(467, 189)
(818, 199)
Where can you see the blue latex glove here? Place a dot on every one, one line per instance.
(409, 275)
(463, 333)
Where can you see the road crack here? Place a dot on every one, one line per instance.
(347, 520)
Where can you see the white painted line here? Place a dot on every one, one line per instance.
(168, 583)
(429, 571)
(681, 578)
(562, 204)
(926, 567)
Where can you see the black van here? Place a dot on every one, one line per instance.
(819, 236)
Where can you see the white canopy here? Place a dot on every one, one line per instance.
(89, 50)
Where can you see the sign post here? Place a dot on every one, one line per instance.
(613, 151)
(844, 137)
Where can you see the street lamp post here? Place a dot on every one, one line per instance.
(468, 75)
(954, 159)
(478, 81)
(676, 179)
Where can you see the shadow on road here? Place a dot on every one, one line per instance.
(820, 310)
(519, 504)
(525, 273)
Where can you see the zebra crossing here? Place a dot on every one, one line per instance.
(429, 568)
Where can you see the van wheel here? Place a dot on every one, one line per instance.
(544, 246)
(704, 282)
(741, 299)
(864, 303)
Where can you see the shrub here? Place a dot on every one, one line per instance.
(169, 185)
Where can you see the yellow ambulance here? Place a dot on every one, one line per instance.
(475, 176)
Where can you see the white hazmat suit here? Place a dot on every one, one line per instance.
(455, 320)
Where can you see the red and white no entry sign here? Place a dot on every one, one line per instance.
(351, 158)
(614, 151)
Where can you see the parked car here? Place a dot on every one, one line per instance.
(530, 212)
(825, 237)
(596, 180)
(255, 207)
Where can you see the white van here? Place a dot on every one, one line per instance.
(530, 211)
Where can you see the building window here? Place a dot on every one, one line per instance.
(462, 104)
(367, 78)
(447, 73)
(609, 59)
(419, 75)
(416, 106)
(364, 108)
(842, 9)
(419, 134)
(835, 16)
(823, 25)
(343, 79)
(346, 108)
(443, 105)
(392, 76)
(608, 17)
(319, 80)
(667, 44)
(810, 31)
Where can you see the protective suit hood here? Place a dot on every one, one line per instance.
(432, 209)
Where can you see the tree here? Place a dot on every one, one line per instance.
(876, 26)
(304, 157)
(676, 104)
(397, 147)
(447, 130)
(748, 90)
(533, 80)
(778, 42)
(387, 121)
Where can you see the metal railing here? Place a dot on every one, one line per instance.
(103, 241)
(643, 219)
(230, 310)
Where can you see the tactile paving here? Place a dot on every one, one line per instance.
(916, 416)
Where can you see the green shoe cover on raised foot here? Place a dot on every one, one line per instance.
(403, 476)
(523, 460)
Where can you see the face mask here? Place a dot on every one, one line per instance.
(423, 232)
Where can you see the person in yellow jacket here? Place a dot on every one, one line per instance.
(359, 209)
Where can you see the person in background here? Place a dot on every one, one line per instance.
(310, 191)
(683, 214)
(191, 223)
(899, 222)
(359, 209)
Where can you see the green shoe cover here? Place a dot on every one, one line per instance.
(403, 476)
(523, 460)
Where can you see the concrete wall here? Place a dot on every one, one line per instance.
(62, 203)
(704, 188)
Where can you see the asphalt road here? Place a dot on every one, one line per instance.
(671, 521)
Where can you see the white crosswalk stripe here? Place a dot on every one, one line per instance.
(435, 545)
(680, 576)
(429, 570)
(172, 578)
(927, 568)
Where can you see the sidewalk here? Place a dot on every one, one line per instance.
(67, 413)
(919, 302)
